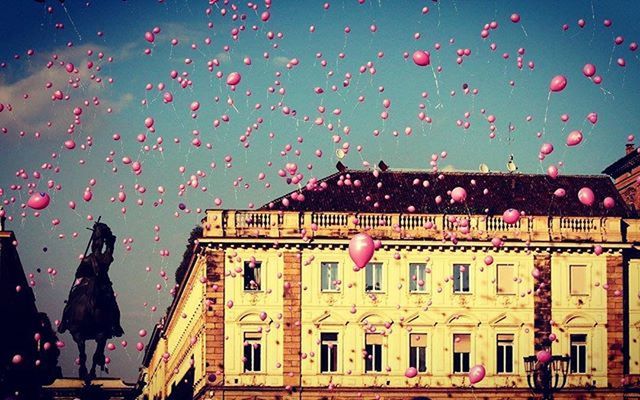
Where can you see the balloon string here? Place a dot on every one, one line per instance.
(72, 23)
(435, 78)
(546, 113)
(524, 31)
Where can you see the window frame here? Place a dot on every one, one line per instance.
(259, 265)
(334, 275)
(382, 287)
(373, 353)
(250, 343)
(424, 289)
(331, 351)
(417, 351)
(579, 344)
(467, 271)
(461, 357)
(504, 354)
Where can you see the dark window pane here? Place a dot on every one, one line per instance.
(324, 358)
(378, 357)
(422, 367)
(500, 359)
(465, 362)
(509, 359)
(582, 366)
(456, 362)
(574, 359)
(256, 352)
(368, 362)
(334, 358)
(247, 356)
(412, 358)
(456, 278)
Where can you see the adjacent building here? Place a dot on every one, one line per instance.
(625, 172)
(271, 306)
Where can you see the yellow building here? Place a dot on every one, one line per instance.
(272, 307)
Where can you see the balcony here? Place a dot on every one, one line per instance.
(332, 225)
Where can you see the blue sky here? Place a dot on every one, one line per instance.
(117, 29)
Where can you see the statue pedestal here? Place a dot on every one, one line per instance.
(98, 389)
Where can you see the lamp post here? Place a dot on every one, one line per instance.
(549, 377)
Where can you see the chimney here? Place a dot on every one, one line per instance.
(383, 167)
(629, 148)
(341, 167)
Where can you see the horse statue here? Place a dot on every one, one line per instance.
(91, 312)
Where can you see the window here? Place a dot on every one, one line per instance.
(505, 283)
(578, 279)
(418, 278)
(461, 353)
(418, 351)
(328, 352)
(252, 351)
(504, 352)
(578, 354)
(461, 278)
(373, 349)
(252, 275)
(329, 277)
(373, 276)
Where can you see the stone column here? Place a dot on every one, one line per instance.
(292, 314)
(214, 320)
(542, 303)
(615, 320)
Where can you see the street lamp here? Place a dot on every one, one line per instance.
(544, 378)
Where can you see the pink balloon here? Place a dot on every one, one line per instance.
(488, 260)
(233, 79)
(265, 16)
(543, 356)
(560, 192)
(361, 248)
(458, 194)
(39, 201)
(515, 18)
(597, 250)
(546, 149)
(511, 216)
(586, 196)
(558, 83)
(149, 37)
(592, 117)
(589, 70)
(574, 138)
(552, 171)
(476, 373)
(609, 202)
(421, 58)
(552, 337)
(411, 372)
(139, 346)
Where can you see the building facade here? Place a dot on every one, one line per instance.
(273, 308)
(625, 172)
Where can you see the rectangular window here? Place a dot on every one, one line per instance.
(373, 276)
(505, 283)
(329, 277)
(578, 354)
(461, 278)
(461, 353)
(418, 351)
(373, 348)
(252, 352)
(328, 352)
(578, 279)
(418, 278)
(504, 352)
(252, 275)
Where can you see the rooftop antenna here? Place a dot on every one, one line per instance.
(511, 165)
(483, 168)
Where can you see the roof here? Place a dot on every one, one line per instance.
(395, 191)
(624, 164)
